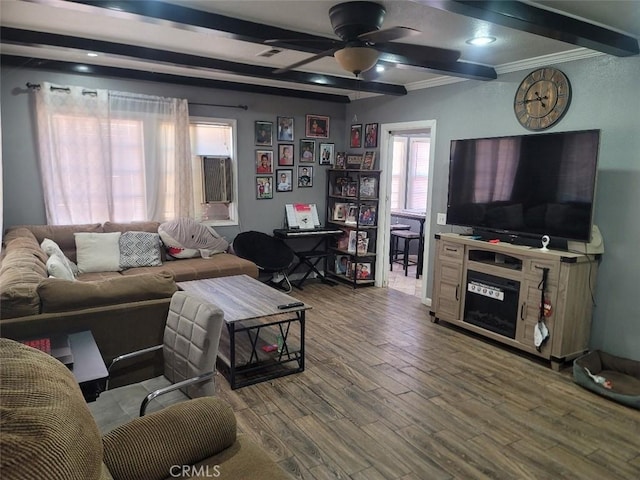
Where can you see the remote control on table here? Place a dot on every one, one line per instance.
(290, 305)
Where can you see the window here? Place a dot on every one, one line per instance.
(410, 172)
(213, 141)
(112, 156)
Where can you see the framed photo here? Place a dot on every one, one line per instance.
(284, 179)
(307, 151)
(350, 189)
(356, 136)
(341, 160)
(285, 154)
(368, 187)
(367, 215)
(342, 264)
(305, 176)
(264, 188)
(339, 212)
(285, 129)
(354, 162)
(339, 185)
(317, 126)
(264, 133)
(371, 135)
(326, 153)
(352, 219)
(363, 271)
(368, 160)
(264, 161)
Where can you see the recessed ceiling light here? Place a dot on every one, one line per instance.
(92, 54)
(481, 41)
(379, 68)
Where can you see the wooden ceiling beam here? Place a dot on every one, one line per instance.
(527, 18)
(145, 75)
(29, 37)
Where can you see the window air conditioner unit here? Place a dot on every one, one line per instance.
(217, 179)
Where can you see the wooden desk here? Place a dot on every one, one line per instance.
(421, 217)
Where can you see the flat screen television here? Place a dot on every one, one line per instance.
(525, 186)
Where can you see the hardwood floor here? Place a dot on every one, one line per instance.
(387, 394)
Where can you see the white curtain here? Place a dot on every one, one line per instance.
(113, 156)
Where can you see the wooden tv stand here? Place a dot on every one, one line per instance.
(570, 283)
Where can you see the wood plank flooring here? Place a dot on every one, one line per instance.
(387, 394)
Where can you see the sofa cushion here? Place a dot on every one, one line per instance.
(47, 429)
(196, 428)
(151, 227)
(139, 249)
(63, 235)
(98, 252)
(58, 295)
(23, 268)
(220, 265)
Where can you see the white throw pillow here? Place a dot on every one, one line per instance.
(98, 252)
(52, 248)
(58, 268)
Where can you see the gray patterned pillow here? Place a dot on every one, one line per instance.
(139, 249)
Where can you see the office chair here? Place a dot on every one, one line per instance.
(270, 254)
(189, 349)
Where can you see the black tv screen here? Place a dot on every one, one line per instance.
(531, 185)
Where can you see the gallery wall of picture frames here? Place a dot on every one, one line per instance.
(277, 146)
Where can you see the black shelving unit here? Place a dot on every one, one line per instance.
(352, 203)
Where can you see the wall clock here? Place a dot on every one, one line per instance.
(542, 98)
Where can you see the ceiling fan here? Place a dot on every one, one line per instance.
(362, 41)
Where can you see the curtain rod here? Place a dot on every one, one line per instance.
(36, 86)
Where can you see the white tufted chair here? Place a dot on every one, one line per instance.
(189, 349)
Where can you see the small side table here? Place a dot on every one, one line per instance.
(88, 366)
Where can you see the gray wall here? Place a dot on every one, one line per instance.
(22, 191)
(605, 97)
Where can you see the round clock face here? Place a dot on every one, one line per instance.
(542, 98)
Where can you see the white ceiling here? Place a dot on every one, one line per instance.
(513, 50)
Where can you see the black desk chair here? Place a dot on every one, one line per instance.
(270, 254)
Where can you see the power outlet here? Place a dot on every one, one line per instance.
(441, 219)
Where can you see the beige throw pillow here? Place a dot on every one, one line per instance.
(98, 252)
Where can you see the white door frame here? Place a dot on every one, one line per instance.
(384, 213)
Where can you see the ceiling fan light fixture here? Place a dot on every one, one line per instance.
(356, 59)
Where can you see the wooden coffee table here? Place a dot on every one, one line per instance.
(261, 341)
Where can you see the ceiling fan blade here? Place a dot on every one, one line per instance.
(387, 34)
(415, 54)
(304, 44)
(326, 53)
(473, 71)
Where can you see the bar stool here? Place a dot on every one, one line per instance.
(407, 236)
(394, 251)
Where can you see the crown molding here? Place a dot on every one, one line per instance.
(528, 64)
